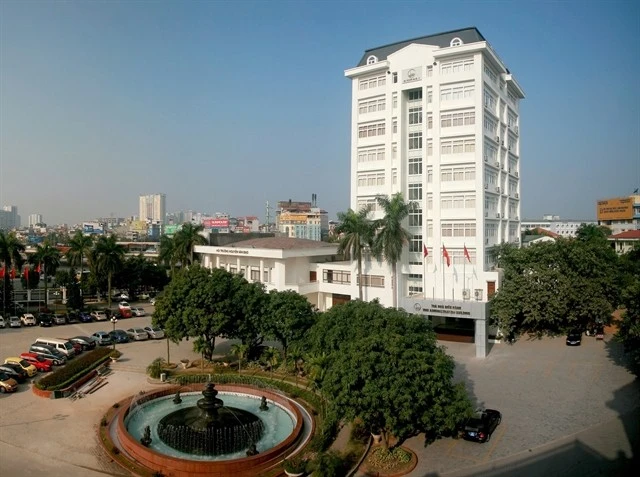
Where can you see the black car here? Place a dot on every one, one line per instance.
(85, 341)
(480, 427)
(119, 336)
(45, 320)
(574, 338)
(14, 371)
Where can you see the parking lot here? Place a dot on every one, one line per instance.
(566, 410)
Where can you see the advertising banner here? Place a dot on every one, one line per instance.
(615, 209)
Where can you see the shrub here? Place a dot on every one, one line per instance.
(155, 368)
(295, 464)
(359, 432)
(73, 370)
(328, 464)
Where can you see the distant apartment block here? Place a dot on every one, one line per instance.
(153, 208)
(9, 218)
(620, 214)
(35, 219)
(565, 228)
(302, 220)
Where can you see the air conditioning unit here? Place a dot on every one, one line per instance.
(498, 215)
(502, 142)
(498, 190)
(516, 173)
(517, 218)
(486, 186)
(509, 147)
(497, 138)
(486, 158)
(517, 195)
(516, 129)
(466, 294)
(486, 214)
(498, 164)
(509, 170)
(477, 293)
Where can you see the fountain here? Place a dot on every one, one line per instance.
(182, 431)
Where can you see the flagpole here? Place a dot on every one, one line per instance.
(464, 272)
(443, 285)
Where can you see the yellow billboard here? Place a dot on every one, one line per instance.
(615, 209)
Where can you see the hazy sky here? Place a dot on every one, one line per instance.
(223, 106)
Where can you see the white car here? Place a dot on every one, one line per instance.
(137, 334)
(14, 322)
(154, 332)
(143, 296)
(99, 315)
(2, 323)
(123, 305)
(153, 301)
(121, 296)
(28, 319)
(137, 311)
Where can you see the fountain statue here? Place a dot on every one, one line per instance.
(146, 439)
(252, 450)
(210, 428)
(263, 404)
(177, 399)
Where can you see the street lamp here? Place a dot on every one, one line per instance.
(114, 320)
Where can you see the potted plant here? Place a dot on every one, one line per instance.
(295, 467)
(114, 355)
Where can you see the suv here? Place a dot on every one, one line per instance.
(28, 319)
(480, 427)
(44, 319)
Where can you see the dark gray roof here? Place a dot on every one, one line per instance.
(442, 40)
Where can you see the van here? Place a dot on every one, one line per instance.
(63, 346)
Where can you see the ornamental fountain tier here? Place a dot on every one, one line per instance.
(210, 428)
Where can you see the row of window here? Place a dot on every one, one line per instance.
(457, 92)
(371, 130)
(457, 66)
(458, 229)
(459, 173)
(371, 106)
(462, 118)
(344, 277)
(371, 155)
(370, 179)
(373, 82)
(457, 146)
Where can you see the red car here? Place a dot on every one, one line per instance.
(41, 364)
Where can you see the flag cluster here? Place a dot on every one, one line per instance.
(445, 254)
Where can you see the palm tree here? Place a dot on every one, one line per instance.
(108, 258)
(167, 253)
(240, 350)
(79, 247)
(10, 255)
(186, 239)
(49, 256)
(356, 234)
(391, 237)
(272, 356)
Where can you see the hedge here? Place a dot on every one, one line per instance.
(73, 370)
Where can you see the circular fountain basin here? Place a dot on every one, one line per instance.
(282, 428)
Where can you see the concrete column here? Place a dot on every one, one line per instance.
(261, 279)
(481, 337)
(217, 261)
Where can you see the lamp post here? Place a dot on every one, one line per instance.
(114, 320)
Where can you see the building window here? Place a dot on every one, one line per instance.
(415, 244)
(415, 115)
(255, 275)
(415, 217)
(457, 146)
(373, 82)
(395, 126)
(429, 95)
(463, 118)
(371, 155)
(457, 92)
(371, 130)
(429, 70)
(371, 106)
(415, 94)
(429, 175)
(375, 281)
(429, 147)
(490, 73)
(490, 125)
(336, 276)
(394, 77)
(460, 173)
(455, 42)
(415, 166)
(372, 60)
(415, 140)
(458, 201)
(395, 100)
(415, 290)
(415, 191)
(429, 121)
(370, 179)
(458, 66)
(489, 101)
(369, 202)
(459, 229)
(429, 202)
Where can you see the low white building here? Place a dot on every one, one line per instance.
(565, 228)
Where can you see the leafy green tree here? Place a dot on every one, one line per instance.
(186, 239)
(10, 255)
(79, 247)
(250, 300)
(593, 233)
(198, 303)
(288, 317)
(629, 329)
(272, 356)
(108, 257)
(391, 237)
(167, 254)
(356, 232)
(240, 350)
(48, 256)
(388, 371)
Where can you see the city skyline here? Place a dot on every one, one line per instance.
(108, 101)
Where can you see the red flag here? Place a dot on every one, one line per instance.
(466, 254)
(2, 272)
(38, 268)
(12, 274)
(425, 252)
(26, 273)
(445, 254)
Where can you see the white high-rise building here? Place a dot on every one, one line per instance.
(35, 219)
(437, 119)
(153, 208)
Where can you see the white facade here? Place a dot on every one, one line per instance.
(35, 219)
(437, 119)
(153, 208)
(564, 228)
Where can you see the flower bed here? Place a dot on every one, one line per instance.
(73, 370)
(396, 462)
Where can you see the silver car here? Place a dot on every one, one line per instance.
(137, 311)
(137, 334)
(154, 332)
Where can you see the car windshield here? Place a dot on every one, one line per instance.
(24, 363)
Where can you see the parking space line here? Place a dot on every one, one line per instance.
(494, 443)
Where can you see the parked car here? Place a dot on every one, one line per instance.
(85, 317)
(72, 317)
(480, 427)
(28, 368)
(2, 323)
(574, 338)
(121, 296)
(137, 311)
(99, 315)
(77, 347)
(28, 319)
(7, 383)
(153, 302)
(42, 364)
(119, 336)
(154, 332)
(86, 342)
(14, 322)
(144, 296)
(45, 319)
(60, 319)
(14, 371)
(102, 338)
(48, 353)
(137, 334)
